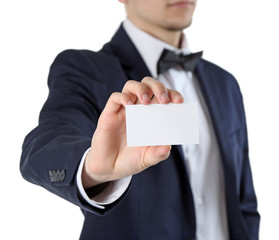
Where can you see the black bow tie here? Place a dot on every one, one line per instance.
(170, 59)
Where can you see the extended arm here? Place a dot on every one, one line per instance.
(78, 107)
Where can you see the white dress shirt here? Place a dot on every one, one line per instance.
(203, 160)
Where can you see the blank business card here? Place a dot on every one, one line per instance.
(162, 124)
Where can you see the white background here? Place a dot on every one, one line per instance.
(241, 36)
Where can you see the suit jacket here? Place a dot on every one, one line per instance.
(158, 203)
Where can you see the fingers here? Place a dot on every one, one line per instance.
(158, 89)
(150, 90)
(175, 96)
(142, 92)
(117, 100)
(147, 91)
(154, 155)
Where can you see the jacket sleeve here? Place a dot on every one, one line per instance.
(52, 152)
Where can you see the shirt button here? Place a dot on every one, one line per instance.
(200, 200)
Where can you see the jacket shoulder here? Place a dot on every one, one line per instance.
(215, 69)
(85, 58)
(89, 67)
(218, 76)
(83, 54)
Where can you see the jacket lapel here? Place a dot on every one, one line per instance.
(208, 81)
(214, 96)
(131, 61)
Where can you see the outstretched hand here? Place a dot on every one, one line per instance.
(109, 157)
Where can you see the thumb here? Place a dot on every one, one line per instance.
(156, 154)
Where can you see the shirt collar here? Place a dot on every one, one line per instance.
(149, 47)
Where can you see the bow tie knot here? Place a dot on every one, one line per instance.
(170, 59)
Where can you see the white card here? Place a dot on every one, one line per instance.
(162, 124)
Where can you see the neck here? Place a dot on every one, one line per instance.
(172, 37)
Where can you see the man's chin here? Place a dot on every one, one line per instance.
(179, 26)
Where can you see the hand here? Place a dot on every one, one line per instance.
(109, 157)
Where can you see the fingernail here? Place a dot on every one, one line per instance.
(179, 97)
(145, 98)
(165, 97)
(130, 102)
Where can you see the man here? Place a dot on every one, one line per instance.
(200, 191)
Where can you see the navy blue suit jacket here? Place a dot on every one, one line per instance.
(158, 203)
